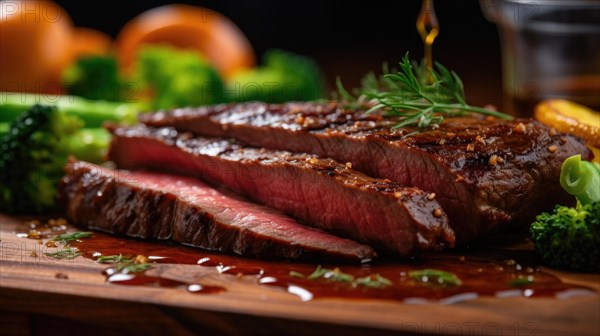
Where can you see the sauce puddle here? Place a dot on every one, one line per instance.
(472, 273)
(493, 272)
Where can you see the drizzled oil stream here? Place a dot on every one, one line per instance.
(493, 272)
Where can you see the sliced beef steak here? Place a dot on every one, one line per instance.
(487, 174)
(319, 192)
(159, 206)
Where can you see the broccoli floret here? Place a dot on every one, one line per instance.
(178, 78)
(569, 237)
(95, 77)
(284, 76)
(34, 152)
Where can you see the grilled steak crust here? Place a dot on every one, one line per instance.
(158, 206)
(488, 174)
(319, 192)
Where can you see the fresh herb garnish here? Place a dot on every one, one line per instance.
(67, 237)
(295, 274)
(415, 95)
(520, 282)
(130, 267)
(68, 253)
(126, 264)
(371, 281)
(437, 277)
(374, 281)
(331, 274)
(112, 259)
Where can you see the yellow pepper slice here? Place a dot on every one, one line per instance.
(569, 117)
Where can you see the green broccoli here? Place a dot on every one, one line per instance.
(34, 152)
(284, 76)
(95, 77)
(4, 127)
(178, 78)
(570, 237)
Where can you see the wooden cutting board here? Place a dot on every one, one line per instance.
(43, 295)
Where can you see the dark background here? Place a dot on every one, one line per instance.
(346, 38)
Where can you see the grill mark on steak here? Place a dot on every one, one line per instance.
(319, 192)
(158, 206)
(452, 161)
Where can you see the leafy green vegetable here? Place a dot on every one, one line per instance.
(581, 179)
(415, 95)
(93, 114)
(178, 78)
(436, 277)
(569, 237)
(67, 237)
(34, 153)
(284, 76)
(95, 77)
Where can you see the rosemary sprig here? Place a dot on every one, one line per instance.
(415, 95)
(67, 237)
(112, 259)
(68, 253)
(130, 267)
(436, 277)
(125, 264)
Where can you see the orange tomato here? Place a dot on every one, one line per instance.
(87, 41)
(35, 39)
(188, 27)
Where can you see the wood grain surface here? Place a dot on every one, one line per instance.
(35, 300)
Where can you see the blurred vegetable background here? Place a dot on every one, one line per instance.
(169, 56)
(60, 83)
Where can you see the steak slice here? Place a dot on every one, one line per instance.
(488, 174)
(319, 192)
(159, 206)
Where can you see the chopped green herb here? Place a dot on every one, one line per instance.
(371, 281)
(519, 282)
(68, 253)
(132, 267)
(112, 259)
(374, 281)
(334, 275)
(318, 273)
(433, 276)
(67, 237)
(296, 274)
